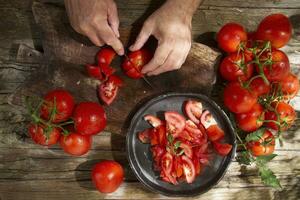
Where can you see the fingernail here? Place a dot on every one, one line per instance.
(121, 52)
(131, 47)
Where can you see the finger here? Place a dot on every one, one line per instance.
(160, 56)
(113, 19)
(174, 60)
(142, 37)
(91, 34)
(109, 37)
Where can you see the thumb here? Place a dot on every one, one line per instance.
(142, 37)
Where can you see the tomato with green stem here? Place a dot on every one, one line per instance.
(259, 87)
(231, 37)
(290, 85)
(264, 145)
(275, 28)
(238, 99)
(251, 120)
(76, 144)
(58, 105)
(42, 135)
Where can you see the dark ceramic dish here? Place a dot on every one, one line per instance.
(140, 158)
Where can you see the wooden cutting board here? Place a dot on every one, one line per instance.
(66, 52)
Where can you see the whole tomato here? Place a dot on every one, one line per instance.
(251, 120)
(279, 68)
(275, 28)
(133, 64)
(290, 85)
(76, 144)
(64, 105)
(283, 113)
(264, 146)
(89, 118)
(234, 67)
(107, 176)
(259, 87)
(39, 135)
(231, 36)
(238, 99)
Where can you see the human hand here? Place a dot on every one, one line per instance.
(171, 26)
(98, 20)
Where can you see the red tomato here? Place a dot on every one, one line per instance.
(234, 67)
(167, 166)
(89, 118)
(259, 87)
(144, 136)
(106, 70)
(157, 153)
(154, 121)
(279, 68)
(76, 144)
(137, 59)
(231, 36)
(94, 71)
(290, 85)
(175, 123)
(222, 149)
(192, 128)
(177, 167)
(109, 89)
(161, 134)
(64, 105)
(193, 109)
(107, 176)
(215, 133)
(251, 120)
(187, 149)
(188, 169)
(264, 146)
(238, 99)
(196, 163)
(286, 116)
(106, 55)
(38, 134)
(275, 28)
(207, 119)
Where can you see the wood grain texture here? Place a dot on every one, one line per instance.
(25, 174)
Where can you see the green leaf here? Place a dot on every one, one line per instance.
(177, 145)
(170, 138)
(265, 159)
(244, 158)
(255, 136)
(268, 177)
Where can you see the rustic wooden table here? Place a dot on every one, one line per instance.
(28, 171)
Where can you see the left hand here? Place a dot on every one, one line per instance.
(171, 26)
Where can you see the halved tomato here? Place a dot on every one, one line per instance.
(215, 133)
(109, 89)
(154, 121)
(193, 109)
(188, 169)
(222, 149)
(105, 55)
(144, 136)
(94, 71)
(175, 123)
(207, 119)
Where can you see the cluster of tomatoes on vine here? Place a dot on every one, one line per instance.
(260, 83)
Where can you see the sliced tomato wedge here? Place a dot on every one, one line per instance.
(215, 133)
(197, 165)
(177, 167)
(157, 152)
(161, 134)
(167, 167)
(144, 136)
(187, 149)
(192, 128)
(193, 109)
(154, 121)
(175, 123)
(109, 89)
(107, 70)
(94, 71)
(207, 119)
(105, 55)
(201, 149)
(222, 149)
(154, 140)
(185, 135)
(188, 169)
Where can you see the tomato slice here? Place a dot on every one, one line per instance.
(222, 149)
(187, 149)
(193, 110)
(161, 134)
(106, 69)
(144, 136)
(207, 119)
(106, 55)
(215, 133)
(157, 152)
(192, 128)
(94, 71)
(154, 121)
(175, 123)
(167, 167)
(196, 162)
(200, 149)
(178, 166)
(109, 89)
(188, 169)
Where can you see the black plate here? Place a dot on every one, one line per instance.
(140, 158)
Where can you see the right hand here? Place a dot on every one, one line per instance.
(98, 20)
